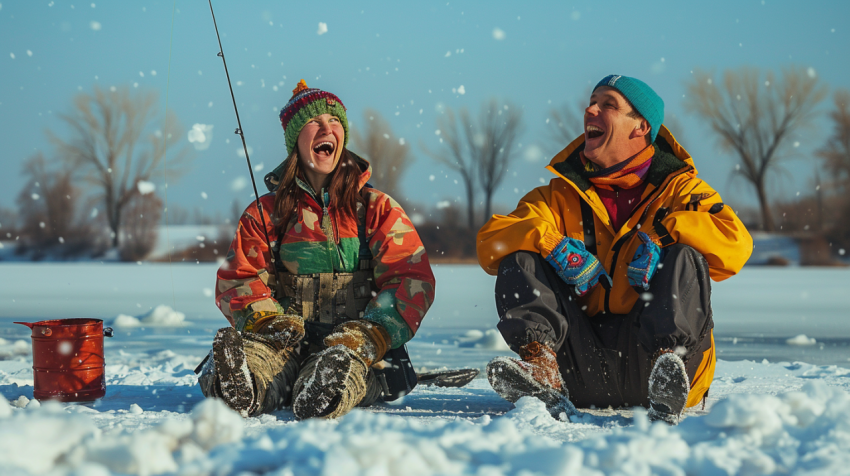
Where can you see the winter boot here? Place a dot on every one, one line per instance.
(254, 370)
(536, 375)
(235, 385)
(286, 330)
(668, 388)
(335, 381)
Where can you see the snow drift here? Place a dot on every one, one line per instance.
(161, 315)
(800, 431)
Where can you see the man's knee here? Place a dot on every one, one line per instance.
(519, 260)
(686, 255)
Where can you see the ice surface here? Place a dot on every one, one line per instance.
(782, 417)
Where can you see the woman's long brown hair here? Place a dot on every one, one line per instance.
(344, 189)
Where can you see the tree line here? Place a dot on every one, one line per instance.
(102, 175)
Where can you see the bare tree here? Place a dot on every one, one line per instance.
(390, 156)
(141, 217)
(754, 116)
(116, 142)
(566, 123)
(48, 204)
(836, 156)
(460, 158)
(836, 153)
(492, 142)
(481, 152)
(8, 223)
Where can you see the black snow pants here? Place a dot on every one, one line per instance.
(605, 359)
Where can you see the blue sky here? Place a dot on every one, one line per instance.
(403, 59)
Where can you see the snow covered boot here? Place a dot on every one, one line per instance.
(668, 388)
(286, 330)
(254, 370)
(235, 385)
(536, 375)
(335, 381)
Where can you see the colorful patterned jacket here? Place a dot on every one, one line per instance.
(402, 272)
(676, 207)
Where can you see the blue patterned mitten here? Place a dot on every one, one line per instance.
(644, 263)
(576, 266)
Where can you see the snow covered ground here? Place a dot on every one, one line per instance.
(778, 415)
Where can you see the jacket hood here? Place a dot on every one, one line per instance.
(272, 179)
(669, 157)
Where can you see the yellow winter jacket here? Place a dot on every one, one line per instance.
(676, 207)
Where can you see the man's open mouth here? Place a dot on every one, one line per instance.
(324, 148)
(593, 131)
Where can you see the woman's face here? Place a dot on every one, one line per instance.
(319, 148)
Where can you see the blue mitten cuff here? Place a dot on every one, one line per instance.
(645, 262)
(576, 266)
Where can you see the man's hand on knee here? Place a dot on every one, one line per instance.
(577, 266)
(645, 262)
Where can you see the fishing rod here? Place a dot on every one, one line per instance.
(245, 148)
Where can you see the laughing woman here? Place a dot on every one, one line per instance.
(319, 322)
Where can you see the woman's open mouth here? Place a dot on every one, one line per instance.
(324, 149)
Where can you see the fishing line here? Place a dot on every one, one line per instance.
(165, 158)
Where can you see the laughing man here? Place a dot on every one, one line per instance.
(602, 281)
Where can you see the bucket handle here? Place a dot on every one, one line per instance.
(108, 332)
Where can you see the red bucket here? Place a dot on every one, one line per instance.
(67, 359)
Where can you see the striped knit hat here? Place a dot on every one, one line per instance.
(307, 103)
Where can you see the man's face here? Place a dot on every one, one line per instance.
(610, 135)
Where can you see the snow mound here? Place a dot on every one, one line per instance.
(806, 431)
(162, 316)
(491, 339)
(801, 339)
(51, 438)
(161, 368)
(10, 350)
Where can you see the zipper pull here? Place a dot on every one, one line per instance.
(326, 219)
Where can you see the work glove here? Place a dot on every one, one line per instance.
(369, 340)
(286, 330)
(576, 266)
(645, 262)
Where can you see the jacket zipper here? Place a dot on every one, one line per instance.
(619, 244)
(328, 224)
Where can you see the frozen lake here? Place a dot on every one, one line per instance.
(773, 407)
(755, 312)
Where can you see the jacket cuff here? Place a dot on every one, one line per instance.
(549, 242)
(382, 310)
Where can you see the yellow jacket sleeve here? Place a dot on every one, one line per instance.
(535, 225)
(702, 221)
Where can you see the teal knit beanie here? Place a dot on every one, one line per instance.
(645, 101)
